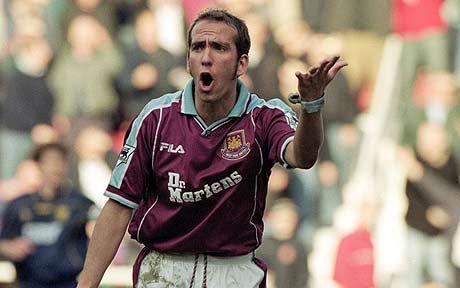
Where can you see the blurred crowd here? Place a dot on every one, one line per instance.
(381, 206)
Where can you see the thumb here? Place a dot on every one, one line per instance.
(339, 65)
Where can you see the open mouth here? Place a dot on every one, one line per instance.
(206, 79)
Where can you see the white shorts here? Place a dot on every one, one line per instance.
(170, 270)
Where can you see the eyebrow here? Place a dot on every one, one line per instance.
(211, 42)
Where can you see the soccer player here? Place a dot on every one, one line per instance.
(191, 180)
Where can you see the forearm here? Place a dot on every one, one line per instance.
(16, 249)
(308, 139)
(108, 233)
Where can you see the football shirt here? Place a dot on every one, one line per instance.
(200, 188)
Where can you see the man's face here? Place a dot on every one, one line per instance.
(53, 167)
(213, 61)
(432, 142)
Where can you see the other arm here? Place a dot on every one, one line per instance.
(106, 238)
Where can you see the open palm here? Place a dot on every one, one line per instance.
(312, 84)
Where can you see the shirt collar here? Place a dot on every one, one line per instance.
(188, 103)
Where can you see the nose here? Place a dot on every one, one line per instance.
(206, 59)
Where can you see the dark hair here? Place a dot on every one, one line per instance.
(242, 41)
(37, 154)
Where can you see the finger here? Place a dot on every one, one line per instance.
(301, 76)
(313, 70)
(324, 63)
(298, 75)
(330, 64)
(333, 71)
(304, 79)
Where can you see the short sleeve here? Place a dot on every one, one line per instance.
(281, 123)
(133, 170)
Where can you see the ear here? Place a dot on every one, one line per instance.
(243, 64)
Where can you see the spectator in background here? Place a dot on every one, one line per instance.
(170, 16)
(425, 46)
(282, 250)
(43, 16)
(265, 56)
(26, 180)
(294, 39)
(302, 188)
(433, 192)
(283, 14)
(454, 125)
(277, 185)
(93, 147)
(239, 7)
(434, 95)
(147, 67)
(28, 101)
(193, 7)
(328, 195)
(342, 133)
(354, 260)
(354, 266)
(27, 176)
(286, 84)
(105, 11)
(23, 17)
(82, 76)
(451, 14)
(45, 233)
(331, 16)
(361, 26)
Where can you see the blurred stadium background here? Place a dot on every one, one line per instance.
(377, 210)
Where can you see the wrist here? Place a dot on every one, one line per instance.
(85, 281)
(309, 107)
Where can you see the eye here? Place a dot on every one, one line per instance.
(197, 46)
(219, 47)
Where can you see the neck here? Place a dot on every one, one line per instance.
(439, 161)
(48, 191)
(212, 111)
(82, 54)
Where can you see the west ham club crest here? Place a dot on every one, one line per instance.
(235, 146)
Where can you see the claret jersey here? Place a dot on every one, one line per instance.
(200, 188)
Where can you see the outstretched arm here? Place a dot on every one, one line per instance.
(308, 138)
(106, 238)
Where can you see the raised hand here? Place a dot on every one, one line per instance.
(312, 84)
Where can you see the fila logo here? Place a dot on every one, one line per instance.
(171, 149)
